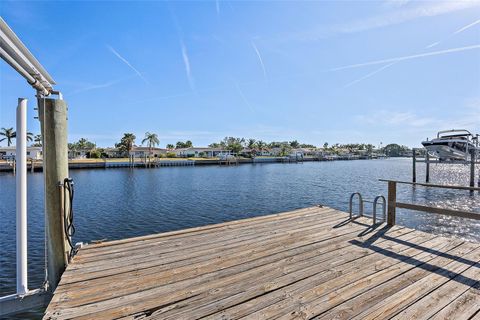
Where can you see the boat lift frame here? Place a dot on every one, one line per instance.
(474, 160)
(16, 54)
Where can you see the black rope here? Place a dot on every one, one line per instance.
(69, 228)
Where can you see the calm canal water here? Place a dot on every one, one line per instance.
(119, 203)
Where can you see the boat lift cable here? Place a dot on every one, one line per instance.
(69, 228)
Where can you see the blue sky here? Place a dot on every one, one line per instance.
(326, 71)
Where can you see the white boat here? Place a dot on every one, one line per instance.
(456, 144)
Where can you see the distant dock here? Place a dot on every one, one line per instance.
(304, 264)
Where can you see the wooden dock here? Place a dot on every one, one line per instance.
(304, 264)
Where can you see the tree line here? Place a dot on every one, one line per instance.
(234, 144)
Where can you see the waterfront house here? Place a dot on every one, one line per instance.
(201, 152)
(142, 152)
(263, 153)
(79, 153)
(113, 153)
(8, 153)
(247, 152)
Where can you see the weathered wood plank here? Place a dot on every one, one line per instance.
(432, 303)
(175, 274)
(204, 229)
(307, 263)
(393, 304)
(369, 299)
(442, 211)
(207, 304)
(316, 232)
(151, 299)
(466, 306)
(218, 238)
(320, 296)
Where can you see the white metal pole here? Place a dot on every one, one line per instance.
(21, 176)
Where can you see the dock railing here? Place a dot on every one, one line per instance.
(393, 204)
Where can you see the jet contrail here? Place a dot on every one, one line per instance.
(186, 61)
(260, 59)
(433, 45)
(370, 74)
(468, 26)
(415, 56)
(127, 63)
(217, 6)
(240, 92)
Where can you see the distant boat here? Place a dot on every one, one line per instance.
(456, 144)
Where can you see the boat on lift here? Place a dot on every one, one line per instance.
(453, 145)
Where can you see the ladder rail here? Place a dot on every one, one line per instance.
(360, 204)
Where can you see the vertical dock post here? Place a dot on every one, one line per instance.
(472, 168)
(414, 168)
(53, 120)
(21, 196)
(392, 203)
(427, 170)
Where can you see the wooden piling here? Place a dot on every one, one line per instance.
(472, 168)
(53, 120)
(414, 165)
(392, 199)
(427, 170)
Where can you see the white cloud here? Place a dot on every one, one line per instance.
(396, 3)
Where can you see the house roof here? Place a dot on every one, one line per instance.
(142, 148)
(13, 148)
(201, 149)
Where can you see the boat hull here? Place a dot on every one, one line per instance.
(445, 152)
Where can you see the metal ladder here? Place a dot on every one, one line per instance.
(361, 207)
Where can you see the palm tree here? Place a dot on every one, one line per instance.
(37, 139)
(82, 143)
(261, 145)
(128, 141)
(152, 140)
(29, 136)
(251, 144)
(170, 146)
(9, 135)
